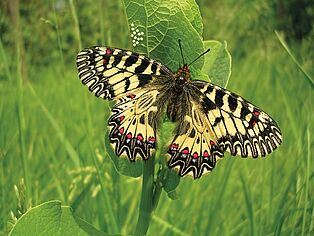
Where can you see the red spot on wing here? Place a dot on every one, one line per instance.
(121, 118)
(185, 151)
(151, 139)
(140, 137)
(206, 154)
(174, 145)
(256, 113)
(108, 51)
(121, 130)
(104, 61)
(195, 155)
(253, 122)
(211, 142)
(129, 136)
(132, 96)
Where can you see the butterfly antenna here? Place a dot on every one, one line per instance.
(181, 51)
(199, 56)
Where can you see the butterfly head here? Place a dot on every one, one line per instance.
(183, 74)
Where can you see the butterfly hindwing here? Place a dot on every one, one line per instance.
(133, 124)
(111, 72)
(219, 121)
(194, 150)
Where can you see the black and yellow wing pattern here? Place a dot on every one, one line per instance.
(211, 120)
(134, 82)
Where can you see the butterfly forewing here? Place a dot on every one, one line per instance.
(241, 128)
(111, 72)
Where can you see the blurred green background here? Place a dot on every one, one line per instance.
(52, 129)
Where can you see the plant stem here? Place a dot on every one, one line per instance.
(146, 204)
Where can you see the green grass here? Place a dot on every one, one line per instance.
(52, 132)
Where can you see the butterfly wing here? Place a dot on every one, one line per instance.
(134, 122)
(111, 73)
(135, 82)
(218, 121)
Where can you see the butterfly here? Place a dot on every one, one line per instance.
(210, 120)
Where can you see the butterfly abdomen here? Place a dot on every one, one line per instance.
(177, 105)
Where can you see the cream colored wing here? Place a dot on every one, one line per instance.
(112, 72)
(194, 151)
(133, 123)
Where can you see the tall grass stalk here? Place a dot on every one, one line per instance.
(112, 222)
(147, 195)
(249, 207)
(284, 45)
(76, 24)
(101, 22)
(4, 61)
(68, 146)
(169, 226)
(59, 38)
(21, 125)
(307, 179)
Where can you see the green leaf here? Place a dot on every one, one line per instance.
(217, 63)
(51, 218)
(170, 179)
(122, 164)
(167, 131)
(170, 183)
(161, 23)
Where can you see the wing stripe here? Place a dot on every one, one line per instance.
(132, 59)
(219, 98)
(233, 103)
(142, 67)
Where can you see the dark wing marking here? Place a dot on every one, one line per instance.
(240, 127)
(112, 72)
(194, 150)
(133, 123)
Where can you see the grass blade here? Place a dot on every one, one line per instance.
(76, 24)
(68, 146)
(284, 45)
(249, 206)
(171, 227)
(307, 178)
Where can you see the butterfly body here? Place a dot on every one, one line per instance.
(210, 120)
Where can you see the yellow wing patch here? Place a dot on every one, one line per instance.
(194, 151)
(133, 124)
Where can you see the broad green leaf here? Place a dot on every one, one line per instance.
(158, 24)
(217, 63)
(167, 131)
(171, 179)
(165, 136)
(51, 218)
(192, 13)
(170, 184)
